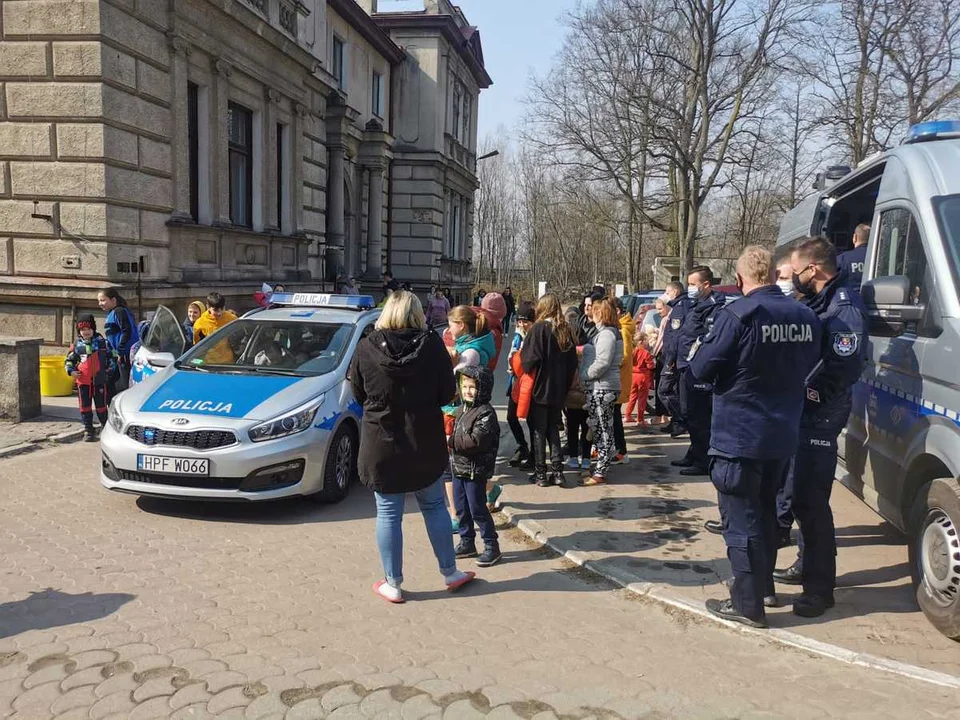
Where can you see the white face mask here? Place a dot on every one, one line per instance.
(786, 287)
(693, 291)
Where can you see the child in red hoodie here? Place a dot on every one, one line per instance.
(643, 367)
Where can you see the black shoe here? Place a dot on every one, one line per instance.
(714, 526)
(783, 538)
(725, 609)
(811, 606)
(526, 464)
(668, 428)
(491, 556)
(678, 431)
(792, 575)
(543, 480)
(771, 601)
(465, 549)
(89, 435)
(694, 471)
(682, 463)
(556, 477)
(518, 457)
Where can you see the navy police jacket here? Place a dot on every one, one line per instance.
(697, 324)
(671, 329)
(850, 264)
(758, 355)
(843, 353)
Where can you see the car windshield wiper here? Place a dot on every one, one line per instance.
(274, 371)
(199, 368)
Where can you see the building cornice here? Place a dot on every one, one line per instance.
(350, 11)
(443, 25)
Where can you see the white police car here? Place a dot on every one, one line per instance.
(261, 409)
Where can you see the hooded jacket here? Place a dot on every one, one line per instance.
(628, 328)
(94, 359)
(207, 325)
(476, 434)
(402, 378)
(600, 366)
(494, 309)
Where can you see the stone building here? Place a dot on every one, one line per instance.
(174, 147)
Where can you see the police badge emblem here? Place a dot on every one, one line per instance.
(675, 324)
(845, 344)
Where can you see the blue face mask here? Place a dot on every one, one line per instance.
(693, 291)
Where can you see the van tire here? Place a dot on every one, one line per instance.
(340, 469)
(935, 554)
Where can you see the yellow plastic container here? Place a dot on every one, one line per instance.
(54, 381)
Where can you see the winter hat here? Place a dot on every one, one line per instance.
(85, 322)
(526, 311)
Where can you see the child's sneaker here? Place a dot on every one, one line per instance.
(491, 555)
(89, 435)
(466, 549)
(495, 492)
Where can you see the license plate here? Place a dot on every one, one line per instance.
(172, 466)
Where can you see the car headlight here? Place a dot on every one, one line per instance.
(114, 417)
(289, 424)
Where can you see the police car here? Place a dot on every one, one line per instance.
(259, 410)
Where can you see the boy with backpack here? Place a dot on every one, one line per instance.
(92, 363)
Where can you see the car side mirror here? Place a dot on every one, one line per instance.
(890, 306)
(160, 360)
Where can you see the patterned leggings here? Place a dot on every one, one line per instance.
(600, 406)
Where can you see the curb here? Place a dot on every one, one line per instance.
(653, 591)
(27, 447)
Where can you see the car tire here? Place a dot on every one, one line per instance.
(340, 469)
(935, 554)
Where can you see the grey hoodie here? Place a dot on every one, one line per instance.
(600, 366)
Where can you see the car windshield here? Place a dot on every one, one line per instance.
(949, 216)
(273, 347)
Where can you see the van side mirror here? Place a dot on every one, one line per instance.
(890, 306)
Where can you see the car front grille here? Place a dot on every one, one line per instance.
(196, 439)
(202, 483)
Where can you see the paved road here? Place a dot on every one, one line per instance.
(113, 607)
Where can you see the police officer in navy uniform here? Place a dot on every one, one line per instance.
(827, 407)
(757, 356)
(696, 396)
(851, 262)
(669, 387)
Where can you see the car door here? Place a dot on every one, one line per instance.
(887, 409)
(163, 343)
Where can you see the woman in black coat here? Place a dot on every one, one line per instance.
(402, 375)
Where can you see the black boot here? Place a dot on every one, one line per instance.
(543, 480)
(89, 434)
(491, 555)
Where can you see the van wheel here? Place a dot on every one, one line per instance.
(935, 554)
(340, 469)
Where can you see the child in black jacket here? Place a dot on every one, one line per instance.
(475, 443)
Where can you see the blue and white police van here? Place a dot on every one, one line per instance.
(261, 409)
(900, 451)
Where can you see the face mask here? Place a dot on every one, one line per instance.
(786, 287)
(693, 291)
(800, 287)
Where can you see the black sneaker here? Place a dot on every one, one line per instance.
(668, 428)
(694, 471)
(771, 601)
(678, 431)
(526, 464)
(792, 575)
(713, 526)
(681, 463)
(465, 549)
(811, 606)
(519, 455)
(491, 556)
(545, 481)
(557, 478)
(725, 609)
(89, 435)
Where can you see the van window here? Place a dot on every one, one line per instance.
(900, 251)
(948, 213)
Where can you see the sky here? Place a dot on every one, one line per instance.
(520, 38)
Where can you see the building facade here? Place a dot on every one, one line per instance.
(173, 147)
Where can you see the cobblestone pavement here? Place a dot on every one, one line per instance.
(117, 608)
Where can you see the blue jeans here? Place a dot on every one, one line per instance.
(432, 502)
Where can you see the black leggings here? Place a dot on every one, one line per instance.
(515, 427)
(578, 444)
(544, 422)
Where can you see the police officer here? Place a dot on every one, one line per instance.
(696, 396)
(669, 387)
(757, 355)
(827, 407)
(851, 262)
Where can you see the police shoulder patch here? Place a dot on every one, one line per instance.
(675, 324)
(845, 344)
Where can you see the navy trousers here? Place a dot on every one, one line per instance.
(815, 467)
(470, 500)
(668, 390)
(696, 400)
(747, 492)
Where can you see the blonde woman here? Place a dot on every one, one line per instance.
(402, 376)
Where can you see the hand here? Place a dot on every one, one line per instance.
(74, 373)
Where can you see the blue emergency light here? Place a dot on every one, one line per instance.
(934, 130)
(351, 302)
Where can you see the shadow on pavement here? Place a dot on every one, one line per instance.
(52, 608)
(882, 534)
(358, 505)
(611, 508)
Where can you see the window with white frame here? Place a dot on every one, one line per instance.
(377, 94)
(337, 64)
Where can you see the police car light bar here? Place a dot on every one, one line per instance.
(354, 302)
(935, 130)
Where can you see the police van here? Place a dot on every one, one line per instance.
(900, 451)
(259, 410)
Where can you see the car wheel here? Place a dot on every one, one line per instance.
(935, 554)
(340, 470)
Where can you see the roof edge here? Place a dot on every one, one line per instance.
(371, 31)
